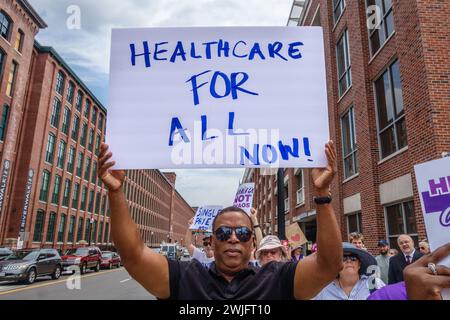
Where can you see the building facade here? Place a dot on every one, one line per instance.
(159, 211)
(388, 93)
(51, 128)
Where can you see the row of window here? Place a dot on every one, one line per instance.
(400, 219)
(391, 121)
(67, 118)
(6, 26)
(63, 153)
(72, 235)
(145, 199)
(60, 84)
(144, 218)
(79, 196)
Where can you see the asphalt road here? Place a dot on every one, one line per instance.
(114, 284)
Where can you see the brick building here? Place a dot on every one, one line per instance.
(51, 127)
(389, 93)
(159, 211)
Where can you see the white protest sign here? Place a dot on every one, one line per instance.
(244, 196)
(204, 217)
(217, 97)
(433, 184)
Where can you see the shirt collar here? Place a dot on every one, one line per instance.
(241, 274)
(411, 254)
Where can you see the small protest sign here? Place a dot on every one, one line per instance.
(204, 217)
(244, 196)
(295, 235)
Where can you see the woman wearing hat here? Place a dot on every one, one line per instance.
(352, 283)
(270, 249)
(296, 253)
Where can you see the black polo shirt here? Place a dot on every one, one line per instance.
(192, 281)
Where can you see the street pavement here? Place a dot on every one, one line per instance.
(114, 284)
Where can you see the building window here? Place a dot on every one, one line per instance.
(79, 100)
(66, 120)
(100, 122)
(100, 233)
(60, 82)
(51, 227)
(80, 229)
(11, 79)
(343, 63)
(4, 122)
(71, 160)
(380, 32)
(401, 220)
(70, 91)
(5, 25)
(75, 128)
(338, 8)
(103, 204)
(2, 62)
(94, 116)
(56, 111)
(18, 44)
(97, 145)
(56, 190)
(107, 233)
(97, 203)
(43, 195)
(39, 226)
(83, 199)
(354, 223)
(66, 194)
(84, 134)
(91, 201)
(76, 192)
(87, 171)
(87, 108)
(349, 148)
(94, 172)
(61, 154)
(300, 187)
(94, 227)
(80, 164)
(91, 139)
(286, 197)
(62, 228)
(50, 151)
(71, 233)
(391, 116)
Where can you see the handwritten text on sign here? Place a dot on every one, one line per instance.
(204, 217)
(244, 197)
(217, 97)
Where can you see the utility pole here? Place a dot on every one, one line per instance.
(280, 198)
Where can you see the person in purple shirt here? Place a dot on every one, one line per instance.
(395, 291)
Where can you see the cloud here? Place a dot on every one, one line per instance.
(86, 50)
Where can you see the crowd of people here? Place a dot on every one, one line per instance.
(239, 263)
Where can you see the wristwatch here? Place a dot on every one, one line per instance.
(322, 200)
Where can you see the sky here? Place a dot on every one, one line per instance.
(86, 50)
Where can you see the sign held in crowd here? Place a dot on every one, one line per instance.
(295, 235)
(217, 97)
(204, 217)
(244, 196)
(433, 185)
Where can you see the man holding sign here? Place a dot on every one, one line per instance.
(230, 276)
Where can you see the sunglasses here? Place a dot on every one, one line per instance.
(205, 244)
(224, 233)
(351, 258)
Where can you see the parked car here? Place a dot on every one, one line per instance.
(85, 258)
(170, 251)
(4, 252)
(110, 259)
(27, 265)
(185, 256)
